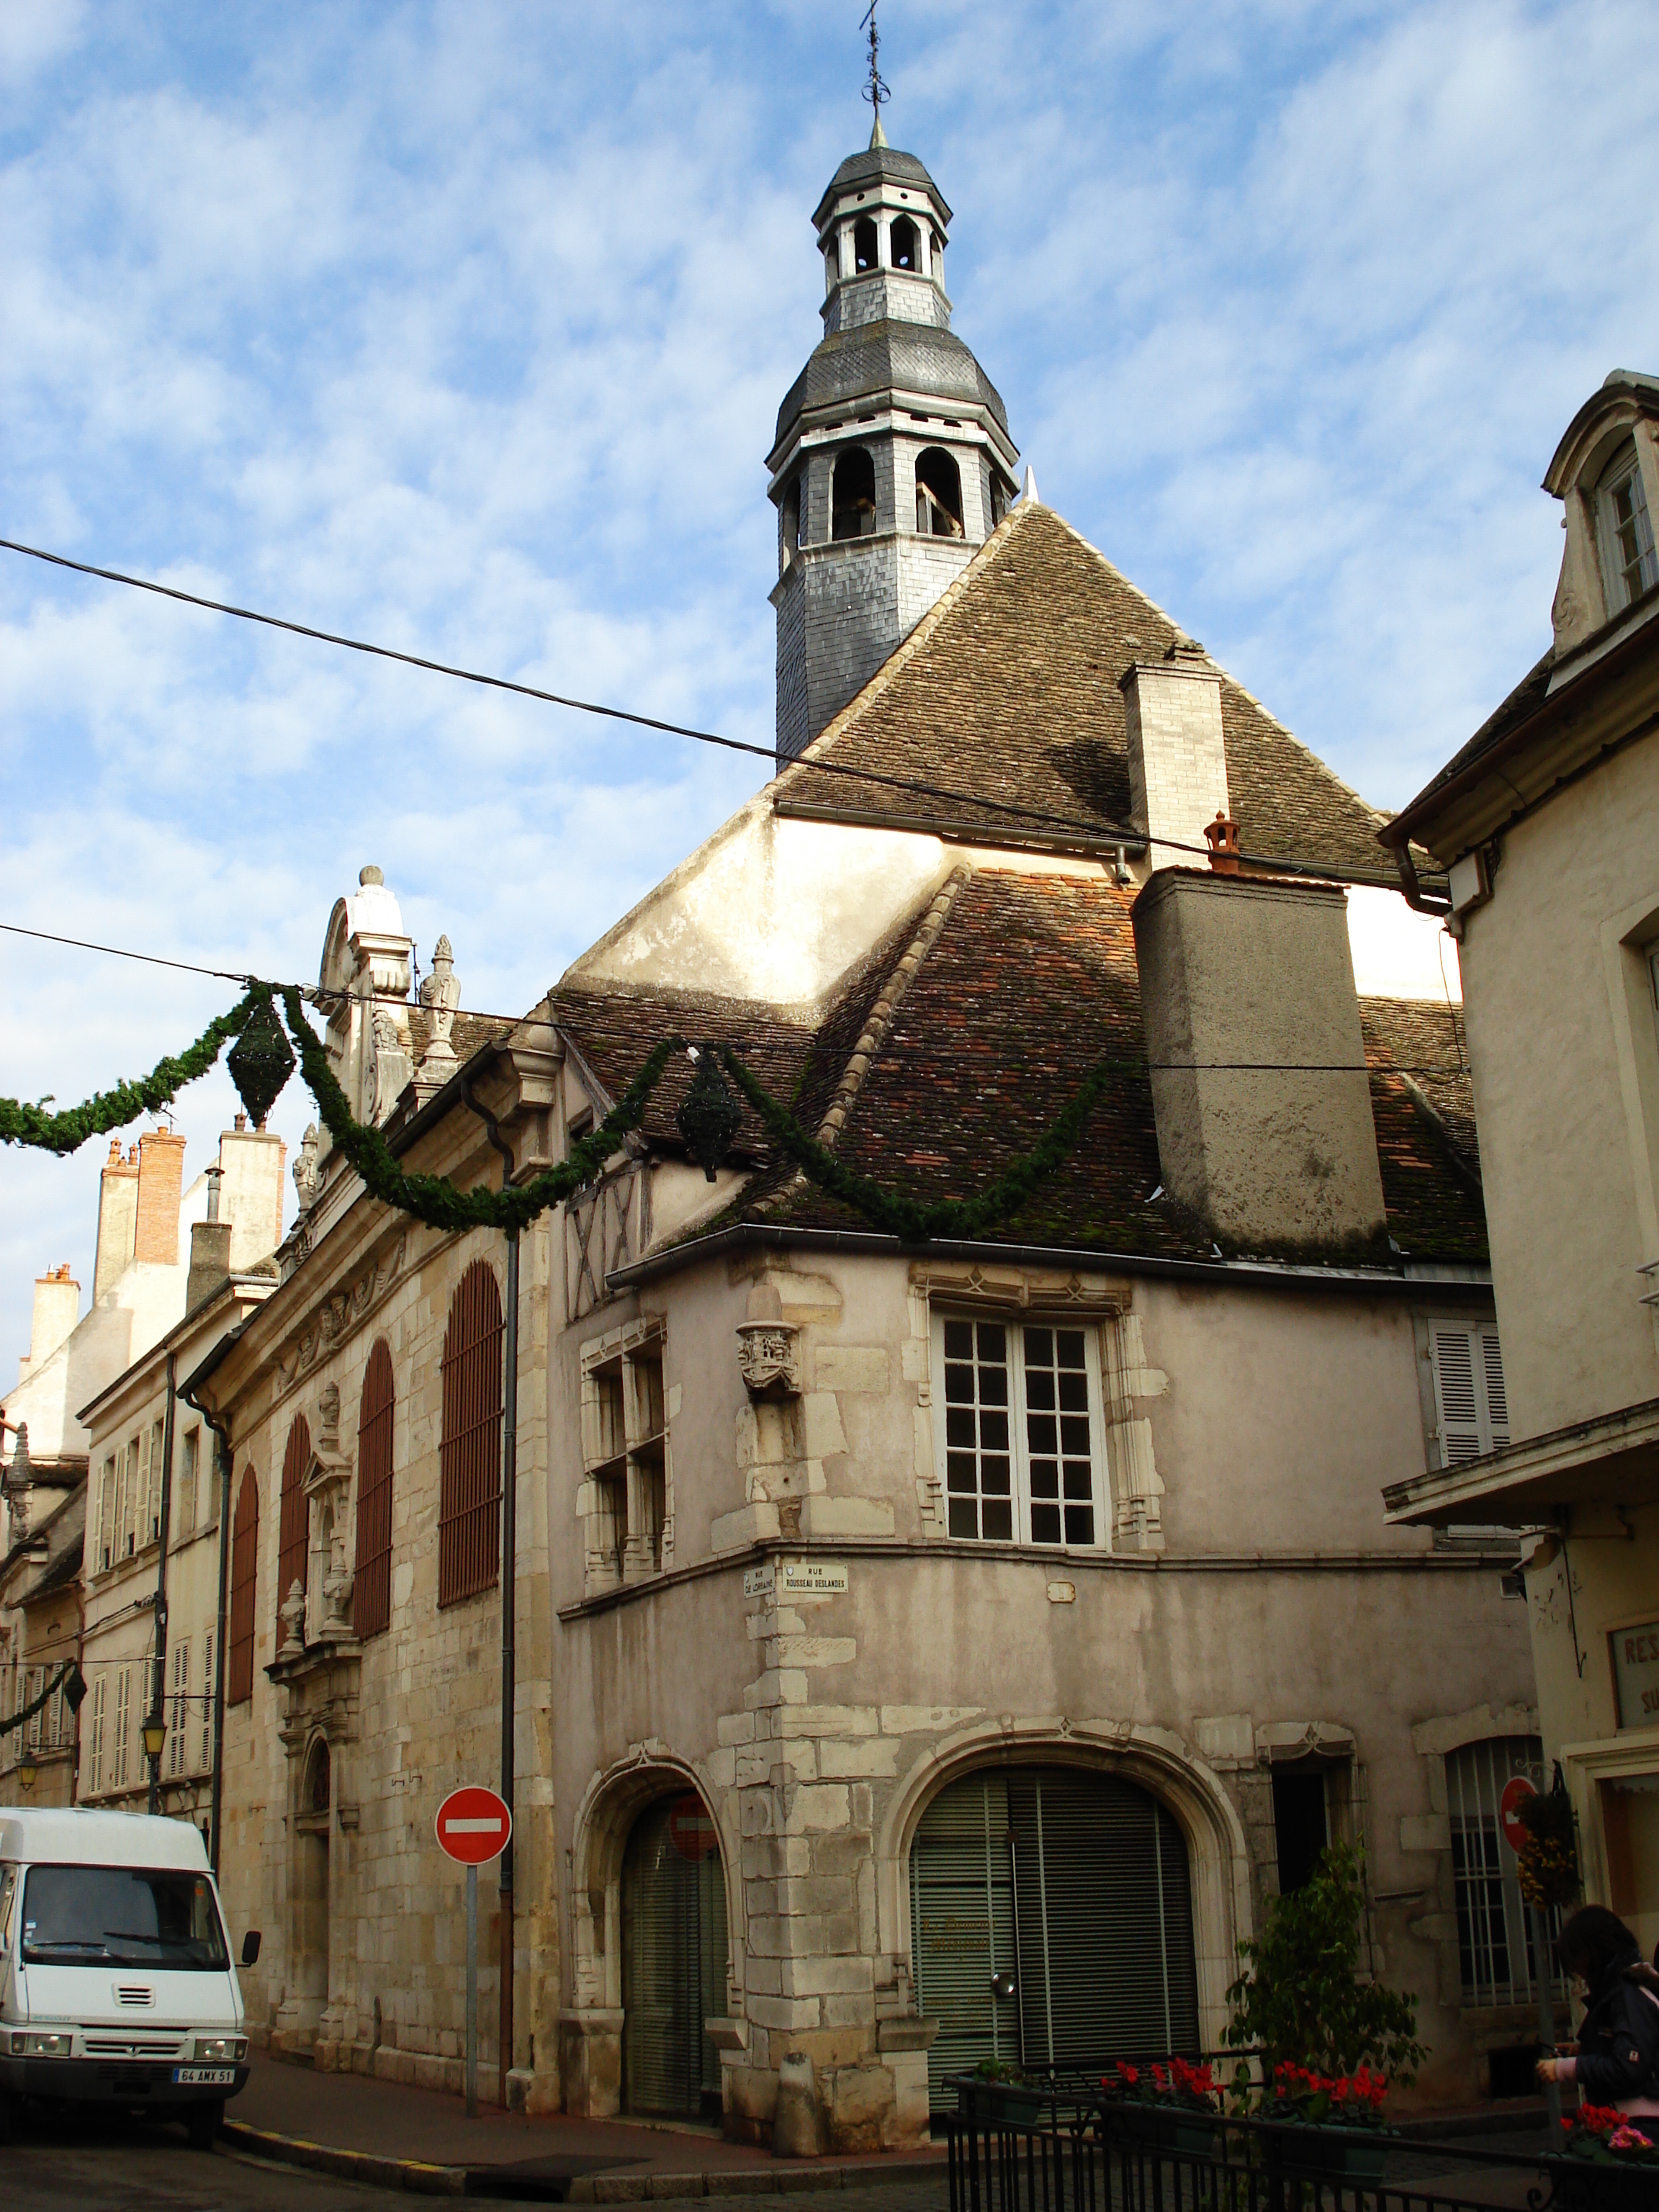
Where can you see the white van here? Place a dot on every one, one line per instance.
(116, 1982)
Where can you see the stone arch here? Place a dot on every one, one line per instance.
(853, 495)
(938, 494)
(864, 247)
(1160, 1762)
(905, 241)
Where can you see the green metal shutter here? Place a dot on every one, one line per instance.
(673, 1968)
(962, 1913)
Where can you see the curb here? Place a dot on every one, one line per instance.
(420, 2179)
(412, 2174)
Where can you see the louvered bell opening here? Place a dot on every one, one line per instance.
(371, 1597)
(291, 1522)
(244, 1571)
(470, 1461)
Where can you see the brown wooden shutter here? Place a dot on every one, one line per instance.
(371, 1597)
(244, 1568)
(469, 1458)
(291, 1527)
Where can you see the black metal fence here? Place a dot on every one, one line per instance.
(1063, 2146)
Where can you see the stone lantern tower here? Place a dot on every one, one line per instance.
(892, 460)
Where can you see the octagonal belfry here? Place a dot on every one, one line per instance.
(892, 460)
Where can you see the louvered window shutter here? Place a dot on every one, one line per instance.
(207, 1703)
(1454, 1392)
(95, 1762)
(1498, 1404)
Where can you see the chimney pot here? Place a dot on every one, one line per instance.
(1222, 836)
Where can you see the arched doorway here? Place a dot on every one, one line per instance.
(311, 1885)
(673, 1913)
(1051, 1921)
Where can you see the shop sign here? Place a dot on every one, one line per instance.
(1636, 1672)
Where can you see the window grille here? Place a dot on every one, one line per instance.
(244, 1567)
(1470, 1397)
(1021, 1447)
(291, 1562)
(371, 1597)
(1494, 1928)
(178, 1742)
(206, 1761)
(470, 1456)
(95, 1740)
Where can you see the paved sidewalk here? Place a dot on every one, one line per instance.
(422, 2141)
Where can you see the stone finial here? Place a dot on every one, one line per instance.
(441, 995)
(292, 1612)
(1028, 491)
(367, 876)
(307, 1177)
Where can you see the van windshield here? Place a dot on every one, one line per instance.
(103, 1915)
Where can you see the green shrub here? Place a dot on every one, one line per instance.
(1301, 1998)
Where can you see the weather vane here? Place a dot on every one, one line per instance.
(876, 91)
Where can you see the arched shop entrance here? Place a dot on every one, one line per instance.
(1051, 1920)
(673, 1907)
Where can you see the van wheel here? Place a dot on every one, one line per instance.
(203, 2123)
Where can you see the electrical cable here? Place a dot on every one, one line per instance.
(1105, 833)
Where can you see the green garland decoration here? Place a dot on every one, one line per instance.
(23, 1124)
(39, 1705)
(433, 1199)
(907, 1218)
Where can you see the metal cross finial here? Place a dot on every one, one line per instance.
(876, 91)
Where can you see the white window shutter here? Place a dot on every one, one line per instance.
(207, 1702)
(1454, 1392)
(96, 1761)
(1497, 1403)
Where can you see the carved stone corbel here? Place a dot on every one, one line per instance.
(769, 1347)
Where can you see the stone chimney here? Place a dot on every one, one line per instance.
(161, 1182)
(1177, 761)
(251, 1164)
(1280, 1154)
(57, 1309)
(209, 1260)
(118, 1217)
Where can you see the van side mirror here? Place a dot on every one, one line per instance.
(251, 1947)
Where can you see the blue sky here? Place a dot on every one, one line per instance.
(463, 327)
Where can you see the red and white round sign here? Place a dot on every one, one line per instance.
(1516, 1790)
(473, 1825)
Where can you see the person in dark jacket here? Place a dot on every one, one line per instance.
(1617, 2061)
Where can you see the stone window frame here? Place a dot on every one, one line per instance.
(625, 1500)
(1623, 467)
(1019, 1410)
(1130, 1490)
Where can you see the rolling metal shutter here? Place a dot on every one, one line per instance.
(674, 1960)
(1077, 1885)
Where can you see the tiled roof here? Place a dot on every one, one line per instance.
(1009, 689)
(1030, 981)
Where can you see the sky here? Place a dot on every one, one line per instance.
(463, 327)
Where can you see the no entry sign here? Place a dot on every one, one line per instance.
(1516, 1790)
(473, 1825)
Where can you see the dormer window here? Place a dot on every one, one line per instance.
(906, 244)
(1626, 531)
(864, 244)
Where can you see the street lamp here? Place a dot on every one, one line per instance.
(155, 1734)
(26, 1770)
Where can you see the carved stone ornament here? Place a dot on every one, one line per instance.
(293, 1615)
(769, 1356)
(307, 1177)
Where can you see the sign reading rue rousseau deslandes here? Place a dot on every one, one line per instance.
(1636, 1671)
(795, 1579)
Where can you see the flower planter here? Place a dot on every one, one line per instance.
(1006, 2103)
(1336, 2154)
(1171, 2129)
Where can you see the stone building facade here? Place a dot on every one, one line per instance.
(926, 1649)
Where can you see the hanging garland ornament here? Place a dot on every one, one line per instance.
(709, 1120)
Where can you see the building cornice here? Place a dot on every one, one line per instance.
(1613, 1459)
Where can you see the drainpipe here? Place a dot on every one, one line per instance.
(158, 1689)
(222, 1454)
(510, 1585)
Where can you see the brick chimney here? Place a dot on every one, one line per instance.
(1279, 1154)
(160, 1182)
(118, 1217)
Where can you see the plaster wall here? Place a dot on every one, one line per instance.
(1575, 903)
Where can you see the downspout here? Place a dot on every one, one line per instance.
(1415, 894)
(223, 1452)
(509, 1586)
(158, 1688)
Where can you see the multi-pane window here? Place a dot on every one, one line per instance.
(190, 1468)
(1626, 532)
(1022, 1448)
(1494, 1927)
(470, 1455)
(1470, 1398)
(157, 1478)
(244, 1568)
(371, 1597)
(625, 1495)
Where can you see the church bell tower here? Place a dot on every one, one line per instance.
(892, 461)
